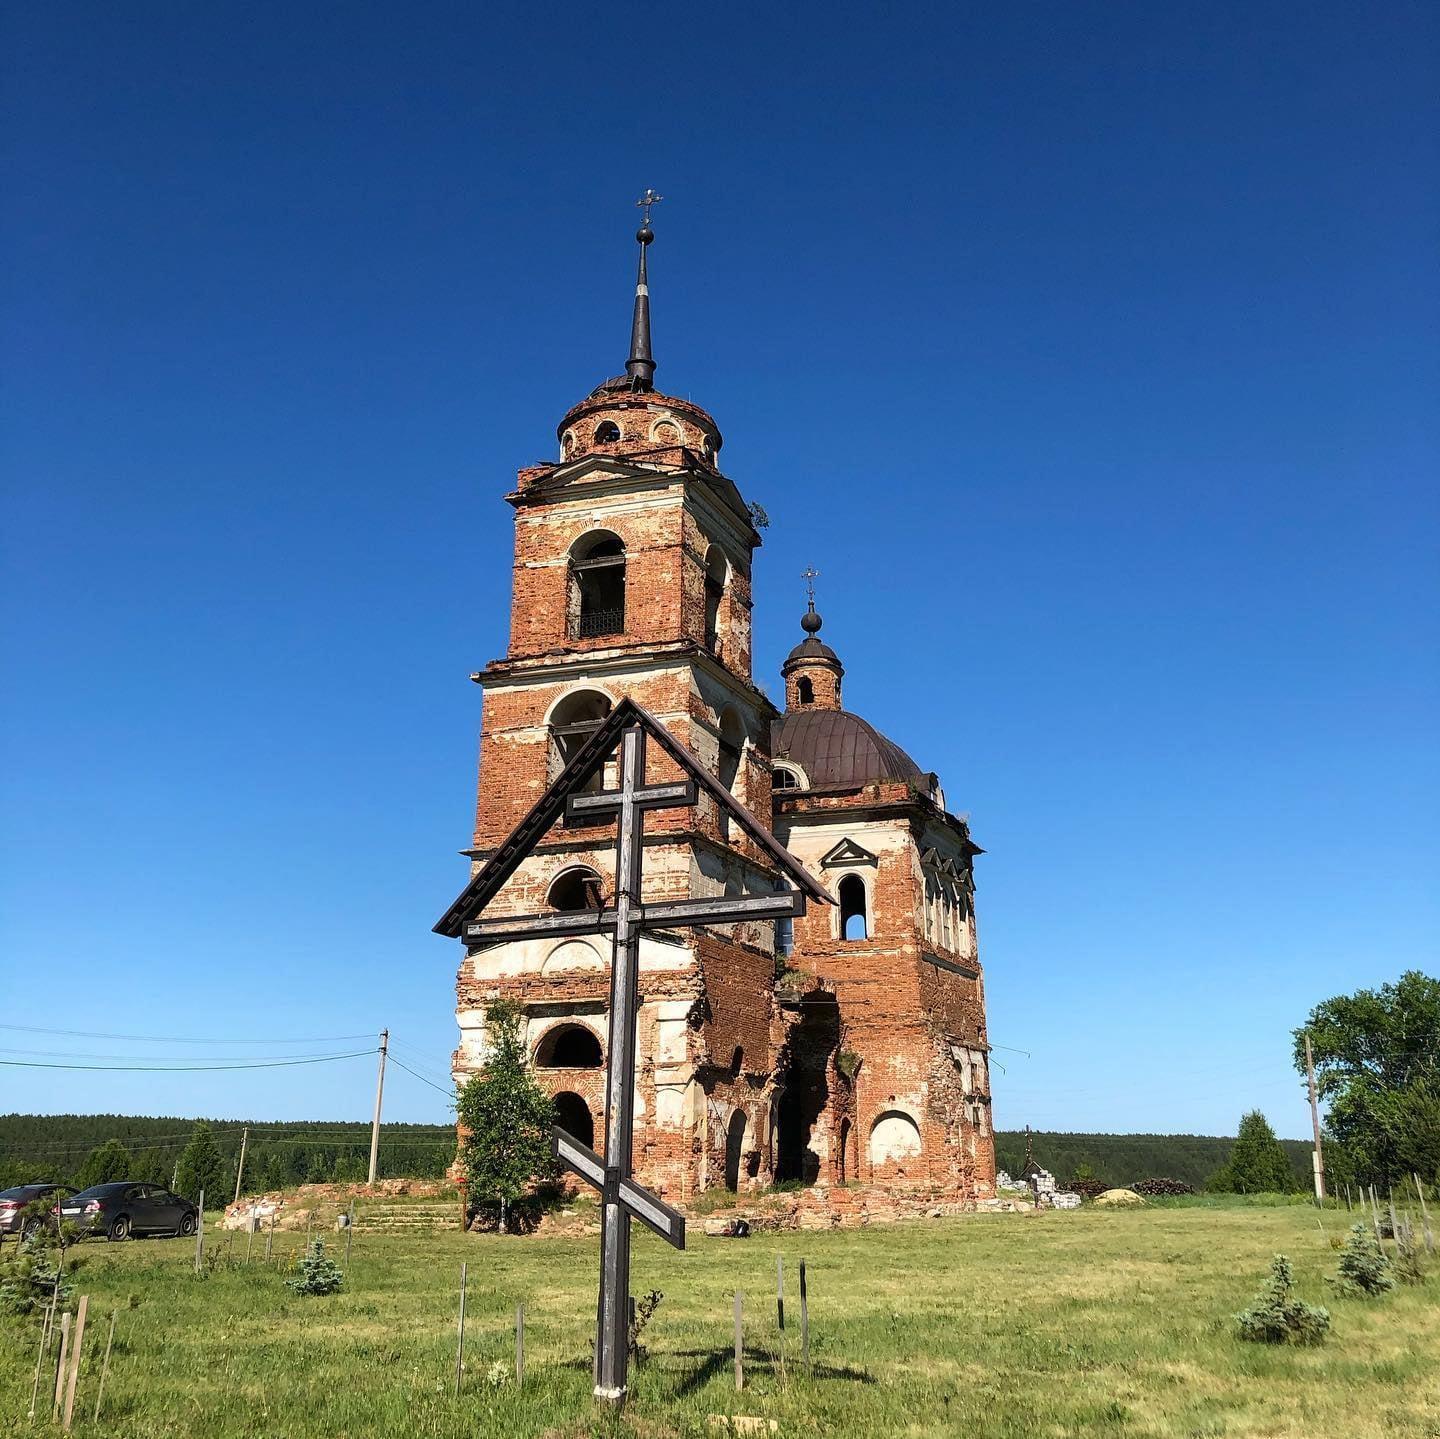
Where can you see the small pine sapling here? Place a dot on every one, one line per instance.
(644, 1313)
(28, 1277)
(1278, 1317)
(318, 1275)
(1365, 1268)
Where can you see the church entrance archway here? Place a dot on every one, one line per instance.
(813, 1044)
(573, 1115)
(734, 1149)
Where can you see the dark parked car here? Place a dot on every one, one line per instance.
(14, 1202)
(126, 1208)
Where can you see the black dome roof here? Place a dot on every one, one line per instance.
(839, 748)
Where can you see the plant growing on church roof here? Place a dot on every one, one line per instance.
(506, 1119)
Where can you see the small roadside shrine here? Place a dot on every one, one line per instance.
(628, 729)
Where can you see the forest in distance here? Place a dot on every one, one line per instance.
(282, 1155)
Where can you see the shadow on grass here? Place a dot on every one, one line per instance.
(715, 1362)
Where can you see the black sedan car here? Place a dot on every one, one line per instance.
(126, 1208)
(14, 1203)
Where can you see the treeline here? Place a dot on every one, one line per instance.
(1121, 1159)
(59, 1147)
(65, 1148)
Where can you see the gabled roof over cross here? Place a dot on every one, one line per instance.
(550, 809)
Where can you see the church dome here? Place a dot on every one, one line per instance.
(835, 747)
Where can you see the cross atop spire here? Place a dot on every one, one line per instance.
(810, 574)
(640, 367)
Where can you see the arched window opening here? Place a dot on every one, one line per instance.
(854, 922)
(805, 690)
(783, 777)
(568, 1046)
(784, 933)
(607, 432)
(717, 576)
(596, 603)
(845, 1165)
(732, 747)
(573, 1115)
(574, 890)
(734, 1148)
(572, 722)
(567, 444)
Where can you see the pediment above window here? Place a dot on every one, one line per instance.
(848, 852)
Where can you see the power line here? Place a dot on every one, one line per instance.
(176, 1038)
(169, 1058)
(184, 1068)
(448, 1093)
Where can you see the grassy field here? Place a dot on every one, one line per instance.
(1087, 1323)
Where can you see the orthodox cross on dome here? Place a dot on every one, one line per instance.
(628, 728)
(810, 574)
(646, 200)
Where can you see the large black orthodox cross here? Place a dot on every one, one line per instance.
(624, 919)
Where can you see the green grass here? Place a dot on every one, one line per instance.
(1091, 1323)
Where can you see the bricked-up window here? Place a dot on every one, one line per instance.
(854, 921)
(576, 889)
(717, 577)
(572, 722)
(568, 1046)
(805, 690)
(596, 604)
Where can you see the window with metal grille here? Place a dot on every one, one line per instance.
(597, 587)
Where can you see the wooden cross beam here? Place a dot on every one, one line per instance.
(625, 920)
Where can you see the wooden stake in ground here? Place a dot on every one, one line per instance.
(250, 1234)
(45, 1329)
(199, 1231)
(104, 1368)
(804, 1319)
(519, 1345)
(349, 1232)
(60, 1367)
(77, 1341)
(780, 1291)
(1424, 1215)
(270, 1237)
(460, 1340)
(739, 1341)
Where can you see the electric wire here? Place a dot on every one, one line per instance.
(448, 1093)
(180, 1039)
(183, 1068)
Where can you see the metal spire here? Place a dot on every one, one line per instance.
(810, 621)
(640, 367)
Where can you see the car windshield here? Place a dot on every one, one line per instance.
(20, 1192)
(99, 1191)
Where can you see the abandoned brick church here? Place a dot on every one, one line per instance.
(846, 1046)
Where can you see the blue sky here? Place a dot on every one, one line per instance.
(1087, 350)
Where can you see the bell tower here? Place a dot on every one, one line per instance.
(632, 563)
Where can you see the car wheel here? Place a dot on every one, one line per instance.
(187, 1226)
(30, 1229)
(120, 1228)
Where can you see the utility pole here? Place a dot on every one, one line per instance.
(1318, 1158)
(240, 1168)
(379, 1091)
